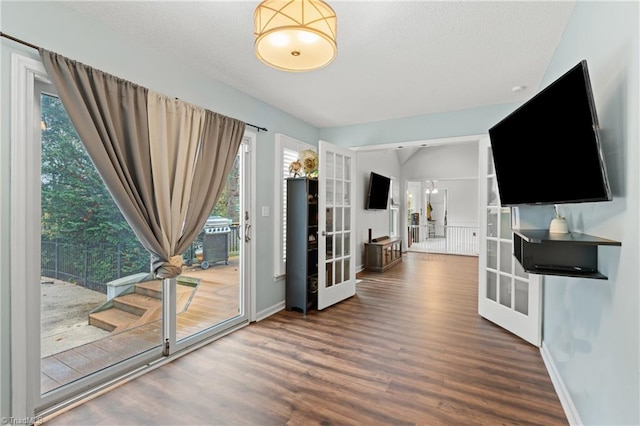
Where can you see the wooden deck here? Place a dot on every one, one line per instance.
(408, 349)
(215, 300)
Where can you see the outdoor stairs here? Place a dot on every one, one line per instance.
(141, 307)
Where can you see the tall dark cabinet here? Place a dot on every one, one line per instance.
(302, 244)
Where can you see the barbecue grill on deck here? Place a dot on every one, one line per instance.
(215, 241)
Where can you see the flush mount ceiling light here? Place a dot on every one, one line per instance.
(295, 35)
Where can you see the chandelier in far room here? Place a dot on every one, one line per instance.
(431, 187)
(295, 35)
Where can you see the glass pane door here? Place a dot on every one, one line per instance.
(507, 295)
(98, 307)
(101, 313)
(210, 291)
(337, 217)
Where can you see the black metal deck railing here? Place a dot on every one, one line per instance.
(93, 265)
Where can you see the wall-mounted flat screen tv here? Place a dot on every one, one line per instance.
(548, 150)
(378, 195)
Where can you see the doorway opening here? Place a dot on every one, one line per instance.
(429, 214)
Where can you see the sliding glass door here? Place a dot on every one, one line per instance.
(98, 307)
(211, 293)
(89, 311)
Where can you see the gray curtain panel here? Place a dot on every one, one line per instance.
(221, 139)
(166, 184)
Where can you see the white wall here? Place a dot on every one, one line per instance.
(454, 161)
(386, 164)
(462, 201)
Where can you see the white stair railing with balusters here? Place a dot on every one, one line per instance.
(444, 239)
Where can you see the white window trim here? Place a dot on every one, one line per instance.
(282, 142)
(394, 193)
(394, 208)
(394, 214)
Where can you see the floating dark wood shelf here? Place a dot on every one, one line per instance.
(571, 255)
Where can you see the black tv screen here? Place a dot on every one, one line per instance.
(378, 195)
(548, 150)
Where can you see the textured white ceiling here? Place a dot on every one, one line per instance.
(395, 58)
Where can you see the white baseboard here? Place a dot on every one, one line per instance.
(569, 407)
(269, 311)
(265, 313)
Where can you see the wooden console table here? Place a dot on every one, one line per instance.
(382, 255)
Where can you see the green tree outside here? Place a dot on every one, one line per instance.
(76, 205)
(78, 209)
(228, 204)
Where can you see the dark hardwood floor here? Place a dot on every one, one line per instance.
(409, 348)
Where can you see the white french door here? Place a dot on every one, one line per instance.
(507, 295)
(336, 219)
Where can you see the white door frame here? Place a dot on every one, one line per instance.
(25, 210)
(249, 203)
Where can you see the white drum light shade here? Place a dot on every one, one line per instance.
(295, 35)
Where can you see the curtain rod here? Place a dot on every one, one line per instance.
(33, 46)
(257, 127)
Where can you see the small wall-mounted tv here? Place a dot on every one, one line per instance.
(548, 150)
(378, 195)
